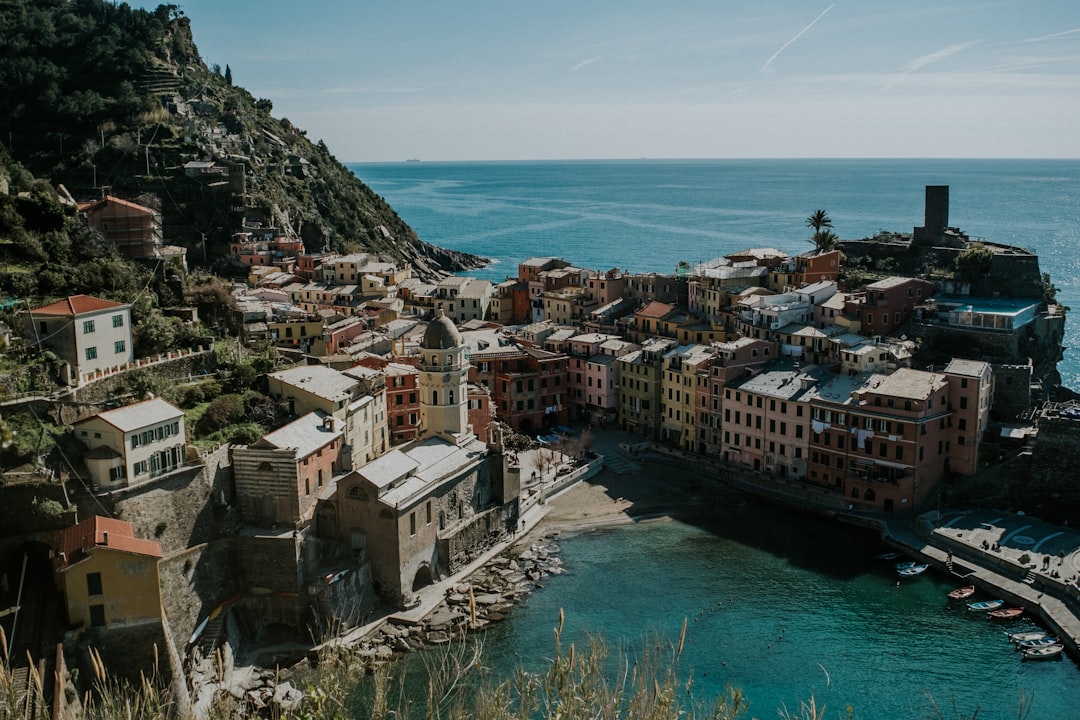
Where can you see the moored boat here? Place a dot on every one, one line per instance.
(985, 605)
(913, 570)
(962, 593)
(1027, 635)
(1006, 613)
(1044, 652)
(888, 556)
(1040, 642)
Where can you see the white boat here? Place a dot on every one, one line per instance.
(1027, 635)
(985, 605)
(912, 571)
(1040, 642)
(905, 565)
(1044, 652)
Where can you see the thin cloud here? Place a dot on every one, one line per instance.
(924, 60)
(1052, 35)
(797, 36)
(583, 63)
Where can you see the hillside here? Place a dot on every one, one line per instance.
(102, 97)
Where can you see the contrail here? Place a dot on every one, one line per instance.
(797, 36)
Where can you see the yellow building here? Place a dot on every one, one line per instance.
(680, 378)
(108, 577)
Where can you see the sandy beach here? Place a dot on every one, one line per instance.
(645, 489)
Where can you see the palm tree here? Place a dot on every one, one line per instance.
(825, 240)
(819, 221)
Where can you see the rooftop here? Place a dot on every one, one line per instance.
(908, 384)
(77, 305)
(970, 368)
(306, 434)
(318, 380)
(413, 470)
(103, 532)
(139, 415)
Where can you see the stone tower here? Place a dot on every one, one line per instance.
(443, 370)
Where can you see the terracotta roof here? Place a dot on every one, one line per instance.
(96, 532)
(655, 310)
(111, 200)
(77, 305)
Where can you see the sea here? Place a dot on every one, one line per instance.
(784, 607)
(649, 215)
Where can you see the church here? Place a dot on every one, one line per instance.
(424, 510)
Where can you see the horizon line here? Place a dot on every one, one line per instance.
(894, 158)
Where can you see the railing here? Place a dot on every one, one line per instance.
(102, 373)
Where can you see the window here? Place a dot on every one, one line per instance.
(412, 524)
(118, 321)
(93, 584)
(963, 403)
(91, 353)
(97, 616)
(119, 347)
(87, 327)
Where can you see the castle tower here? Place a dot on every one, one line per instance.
(443, 370)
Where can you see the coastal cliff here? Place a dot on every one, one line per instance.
(103, 98)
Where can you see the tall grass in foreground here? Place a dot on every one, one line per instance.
(452, 685)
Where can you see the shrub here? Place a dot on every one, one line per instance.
(222, 412)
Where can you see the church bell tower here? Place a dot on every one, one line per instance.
(443, 374)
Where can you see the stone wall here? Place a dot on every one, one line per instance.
(194, 582)
(1012, 390)
(474, 538)
(178, 510)
(267, 561)
(1011, 274)
(165, 373)
(1055, 458)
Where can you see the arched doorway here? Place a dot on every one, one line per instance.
(423, 577)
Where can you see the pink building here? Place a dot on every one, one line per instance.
(883, 443)
(767, 420)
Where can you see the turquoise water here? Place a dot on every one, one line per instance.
(850, 636)
(785, 618)
(648, 215)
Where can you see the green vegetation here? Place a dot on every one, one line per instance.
(973, 262)
(823, 238)
(98, 94)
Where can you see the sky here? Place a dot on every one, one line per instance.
(383, 81)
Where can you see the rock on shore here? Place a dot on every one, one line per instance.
(485, 597)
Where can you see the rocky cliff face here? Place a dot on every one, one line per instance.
(105, 98)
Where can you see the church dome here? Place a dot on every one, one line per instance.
(441, 334)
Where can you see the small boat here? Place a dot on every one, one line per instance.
(1027, 635)
(888, 556)
(905, 565)
(913, 570)
(1006, 613)
(1045, 652)
(985, 605)
(1040, 642)
(962, 593)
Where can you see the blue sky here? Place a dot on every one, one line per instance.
(560, 79)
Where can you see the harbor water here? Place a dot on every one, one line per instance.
(786, 607)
